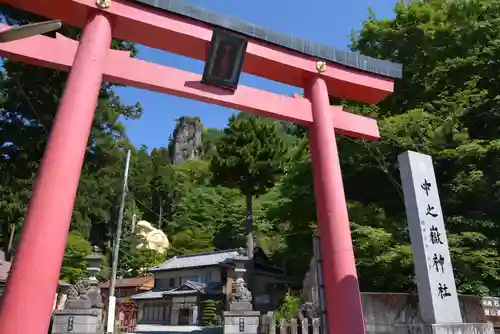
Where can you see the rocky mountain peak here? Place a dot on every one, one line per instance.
(187, 139)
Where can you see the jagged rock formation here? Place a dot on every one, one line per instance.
(187, 141)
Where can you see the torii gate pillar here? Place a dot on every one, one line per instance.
(344, 312)
(45, 232)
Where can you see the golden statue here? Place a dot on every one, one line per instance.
(150, 237)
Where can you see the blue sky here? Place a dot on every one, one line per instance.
(324, 21)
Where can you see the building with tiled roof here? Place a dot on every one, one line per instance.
(196, 260)
(182, 283)
(127, 287)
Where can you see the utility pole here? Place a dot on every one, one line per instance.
(8, 251)
(161, 213)
(116, 251)
(134, 218)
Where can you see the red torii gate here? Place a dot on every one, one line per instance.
(28, 297)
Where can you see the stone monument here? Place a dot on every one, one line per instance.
(240, 318)
(437, 294)
(82, 312)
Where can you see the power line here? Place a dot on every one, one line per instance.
(26, 97)
(147, 207)
(381, 166)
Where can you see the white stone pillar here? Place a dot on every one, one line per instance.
(433, 269)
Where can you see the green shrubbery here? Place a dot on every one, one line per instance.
(211, 313)
(289, 308)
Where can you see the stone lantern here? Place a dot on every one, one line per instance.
(240, 318)
(82, 312)
(241, 297)
(94, 262)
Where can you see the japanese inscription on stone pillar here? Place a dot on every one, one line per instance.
(434, 273)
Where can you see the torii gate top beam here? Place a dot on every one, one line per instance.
(165, 30)
(59, 53)
(308, 48)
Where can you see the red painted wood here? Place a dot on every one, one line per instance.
(158, 29)
(29, 294)
(343, 299)
(58, 53)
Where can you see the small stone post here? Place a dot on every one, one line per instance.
(94, 262)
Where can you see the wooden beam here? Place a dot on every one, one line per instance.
(166, 31)
(58, 53)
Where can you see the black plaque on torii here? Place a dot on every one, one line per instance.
(225, 59)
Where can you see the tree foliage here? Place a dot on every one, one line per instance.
(211, 312)
(249, 158)
(74, 265)
(249, 155)
(289, 308)
(446, 105)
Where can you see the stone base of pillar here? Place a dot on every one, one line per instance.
(241, 322)
(472, 328)
(240, 306)
(77, 321)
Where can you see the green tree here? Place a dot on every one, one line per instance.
(74, 266)
(444, 106)
(135, 262)
(218, 209)
(249, 158)
(191, 241)
(211, 312)
(210, 138)
(289, 308)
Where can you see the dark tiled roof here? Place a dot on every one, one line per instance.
(151, 294)
(346, 58)
(197, 260)
(188, 287)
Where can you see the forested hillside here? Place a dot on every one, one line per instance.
(447, 105)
